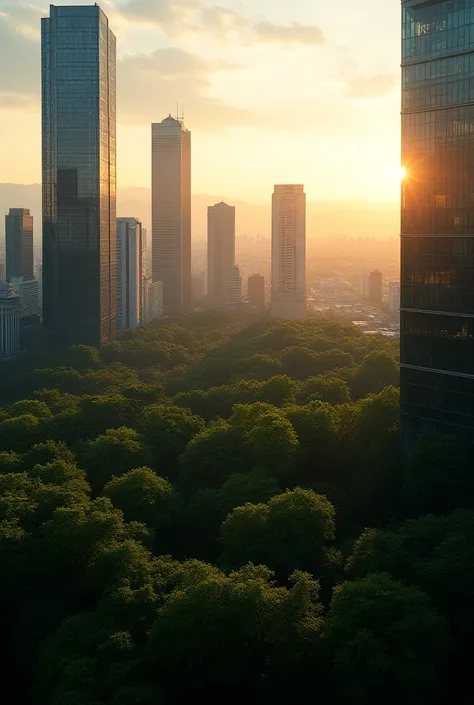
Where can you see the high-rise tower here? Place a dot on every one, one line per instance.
(78, 58)
(289, 252)
(129, 273)
(171, 212)
(220, 250)
(437, 217)
(19, 244)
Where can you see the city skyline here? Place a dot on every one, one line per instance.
(215, 63)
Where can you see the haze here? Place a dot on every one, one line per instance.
(273, 91)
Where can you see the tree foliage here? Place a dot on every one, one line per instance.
(178, 514)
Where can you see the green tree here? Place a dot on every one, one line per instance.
(19, 433)
(47, 452)
(211, 457)
(114, 453)
(377, 370)
(273, 445)
(375, 418)
(34, 407)
(82, 357)
(252, 629)
(168, 430)
(319, 444)
(9, 462)
(278, 390)
(388, 643)
(143, 496)
(257, 486)
(291, 532)
(325, 388)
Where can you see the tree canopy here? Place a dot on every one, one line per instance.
(216, 508)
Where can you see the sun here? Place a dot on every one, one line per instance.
(402, 173)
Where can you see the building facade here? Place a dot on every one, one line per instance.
(394, 298)
(152, 300)
(198, 288)
(288, 298)
(437, 217)
(220, 250)
(78, 57)
(233, 289)
(28, 291)
(256, 291)
(171, 212)
(129, 273)
(375, 287)
(9, 320)
(19, 244)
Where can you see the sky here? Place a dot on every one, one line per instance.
(273, 91)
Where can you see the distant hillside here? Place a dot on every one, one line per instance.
(323, 218)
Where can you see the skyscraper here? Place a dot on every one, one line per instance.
(9, 321)
(394, 298)
(129, 273)
(289, 252)
(233, 289)
(19, 244)
(79, 145)
(171, 212)
(437, 217)
(256, 291)
(220, 250)
(375, 287)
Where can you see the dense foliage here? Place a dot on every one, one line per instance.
(215, 507)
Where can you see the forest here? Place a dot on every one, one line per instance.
(215, 509)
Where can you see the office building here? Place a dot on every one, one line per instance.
(364, 285)
(437, 218)
(220, 250)
(9, 320)
(233, 289)
(19, 244)
(171, 212)
(152, 300)
(198, 288)
(28, 292)
(129, 273)
(79, 183)
(256, 291)
(394, 298)
(146, 260)
(288, 299)
(375, 287)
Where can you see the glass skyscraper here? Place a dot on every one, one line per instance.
(78, 57)
(437, 217)
(19, 244)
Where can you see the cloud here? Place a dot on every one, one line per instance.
(221, 20)
(197, 16)
(166, 13)
(371, 86)
(19, 86)
(149, 85)
(23, 14)
(294, 33)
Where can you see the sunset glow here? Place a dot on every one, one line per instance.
(328, 116)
